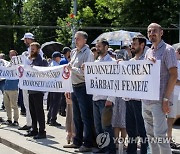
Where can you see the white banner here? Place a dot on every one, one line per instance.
(52, 79)
(8, 72)
(130, 79)
(17, 60)
(4, 62)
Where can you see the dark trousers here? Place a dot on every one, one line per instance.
(20, 101)
(135, 126)
(37, 111)
(98, 107)
(48, 101)
(62, 106)
(82, 116)
(55, 98)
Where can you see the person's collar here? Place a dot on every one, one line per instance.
(55, 61)
(105, 58)
(161, 43)
(84, 48)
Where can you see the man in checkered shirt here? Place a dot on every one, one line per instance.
(154, 112)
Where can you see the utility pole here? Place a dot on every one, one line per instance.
(74, 26)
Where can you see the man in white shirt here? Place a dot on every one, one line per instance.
(102, 104)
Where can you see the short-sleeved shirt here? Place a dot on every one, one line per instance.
(77, 59)
(166, 54)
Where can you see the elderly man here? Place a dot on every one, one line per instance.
(154, 112)
(82, 102)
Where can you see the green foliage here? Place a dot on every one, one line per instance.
(64, 33)
(140, 13)
(91, 13)
(44, 13)
(10, 11)
(85, 17)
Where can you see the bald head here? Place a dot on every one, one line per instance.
(155, 25)
(154, 32)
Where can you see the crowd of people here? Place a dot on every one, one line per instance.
(88, 116)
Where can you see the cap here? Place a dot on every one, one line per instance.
(56, 54)
(28, 35)
(65, 50)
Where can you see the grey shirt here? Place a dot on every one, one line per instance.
(77, 59)
(166, 54)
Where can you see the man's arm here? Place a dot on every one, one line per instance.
(178, 83)
(79, 71)
(169, 89)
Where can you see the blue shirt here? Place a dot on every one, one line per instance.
(54, 63)
(63, 61)
(11, 85)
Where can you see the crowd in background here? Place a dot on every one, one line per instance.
(87, 116)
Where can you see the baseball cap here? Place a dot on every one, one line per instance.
(56, 54)
(28, 35)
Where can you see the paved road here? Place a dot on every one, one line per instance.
(56, 138)
(7, 150)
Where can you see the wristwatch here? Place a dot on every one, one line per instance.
(165, 99)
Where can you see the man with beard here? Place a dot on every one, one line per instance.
(36, 97)
(28, 39)
(154, 112)
(134, 120)
(102, 105)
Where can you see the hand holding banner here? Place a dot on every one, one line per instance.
(132, 79)
(53, 79)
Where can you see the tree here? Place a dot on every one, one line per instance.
(44, 13)
(140, 13)
(10, 14)
(86, 16)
